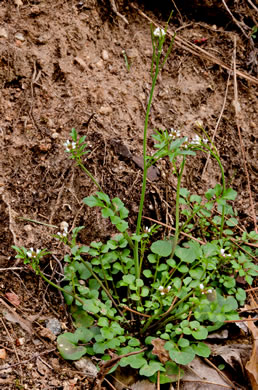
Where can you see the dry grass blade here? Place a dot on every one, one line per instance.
(237, 116)
(198, 51)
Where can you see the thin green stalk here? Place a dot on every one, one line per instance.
(102, 285)
(75, 296)
(177, 208)
(224, 189)
(216, 156)
(190, 218)
(142, 257)
(150, 320)
(155, 275)
(104, 274)
(80, 164)
(144, 180)
(171, 318)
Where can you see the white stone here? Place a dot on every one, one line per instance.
(80, 62)
(105, 110)
(105, 55)
(3, 33)
(20, 37)
(64, 225)
(54, 135)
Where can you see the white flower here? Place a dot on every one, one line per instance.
(185, 144)
(222, 252)
(31, 253)
(174, 133)
(164, 290)
(204, 140)
(210, 291)
(69, 146)
(201, 286)
(196, 140)
(64, 227)
(159, 32)
(147, 229)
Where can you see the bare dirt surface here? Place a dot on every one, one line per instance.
(62, 65)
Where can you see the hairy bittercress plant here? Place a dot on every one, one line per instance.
(129, 293)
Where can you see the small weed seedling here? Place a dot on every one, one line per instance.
(154, 301)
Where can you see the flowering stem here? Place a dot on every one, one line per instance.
(75, 296)
(80, 164)
(144, 181)
(171, 318)
(102, 285)
(177, 208)
(215, 155)
(150, 320)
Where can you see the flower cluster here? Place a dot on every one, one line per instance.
(174, 133)
(69, 146)
(164, 290)
(197, 140)
(159, 32)
(223, 254)
(204, 290)
(31, 253)
(65, 231)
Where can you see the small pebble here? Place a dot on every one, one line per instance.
(54, 326)
(105, 55)
(28, 228)
(99, 64)
(21, 341)
(54, 135)
(105, 110)
(20, 37)
(64, 225)
(80, 62)
(3, 33)
(132, 53)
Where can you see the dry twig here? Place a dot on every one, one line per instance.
(171, 228)
(252, 4)
(197, 50)
(237, 116)
(221, 373)
(235, 20)
(218, 122)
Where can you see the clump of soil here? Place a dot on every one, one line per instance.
(63, 66)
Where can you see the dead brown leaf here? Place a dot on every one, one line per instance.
(159, 350)
(13, 298)
(2, 353)
(143, 385)
(252, 364)
(11, 315)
